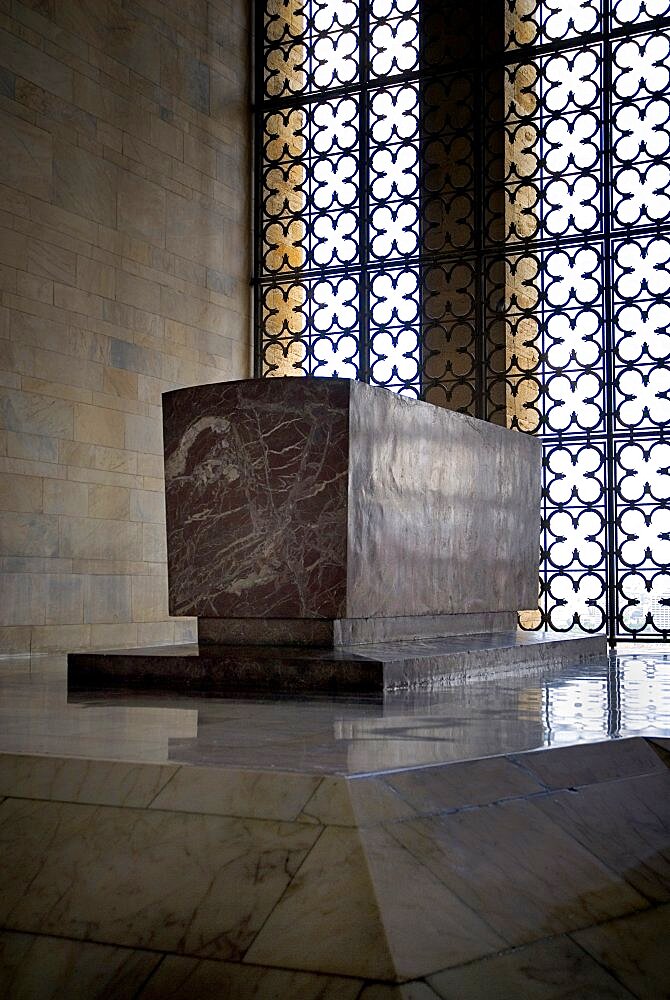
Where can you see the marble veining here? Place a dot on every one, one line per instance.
(372, 868)
(256, 498)
(193, 884)
(545, 970)
(635, 949)
(440, 872)
(309, 498)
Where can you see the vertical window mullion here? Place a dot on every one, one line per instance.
(608, 322)
(364, 194)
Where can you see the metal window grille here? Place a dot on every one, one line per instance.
(470, 203)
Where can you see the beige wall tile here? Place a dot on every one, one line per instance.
(28, 534)
(78, 301)
(87, 456)
(50, 638)
(136, 291)
(48, 365)
(154, 545)
(151, 465)
(167, 138)
(95, 538)
(147, 506)
(185, 630)
(95, 425)
(109, 501)
(36, 414)
(63, 497)
(57, 390)
(16, 360)
(194, 231)
(149, 595)
(155, 633)
(21, 599)
(141, 208)
(13, 248)
(143, 434)
(26, 156)
(51, 261)
(108, 599)
(105, 636)
(95, 277)
(33, 64)
(36, 330)
(27, 468)
(104, 478)
(120, 383)
(32, 287)
(15, 639)
(84, 183)
(24, 494)
(64, 599)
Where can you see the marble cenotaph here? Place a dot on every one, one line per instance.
(327, 534)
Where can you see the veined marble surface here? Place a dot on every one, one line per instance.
(315, 858)
(199, 882)
(624, 696)
(256, 487)
(332, 499)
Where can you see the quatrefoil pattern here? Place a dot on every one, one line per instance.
(475, 210)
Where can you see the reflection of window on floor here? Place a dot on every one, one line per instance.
(474, 209)
(632, 699)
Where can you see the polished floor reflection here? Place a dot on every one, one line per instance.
(628, 695)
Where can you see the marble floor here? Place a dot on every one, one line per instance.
(613, 698)
(501, 840)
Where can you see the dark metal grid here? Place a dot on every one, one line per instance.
(465, 304)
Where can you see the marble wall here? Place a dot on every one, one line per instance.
(124, 272)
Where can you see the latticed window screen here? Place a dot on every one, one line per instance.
(469, 202)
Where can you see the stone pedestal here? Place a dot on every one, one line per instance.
(327, 512)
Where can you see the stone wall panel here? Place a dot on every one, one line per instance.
(124, 272)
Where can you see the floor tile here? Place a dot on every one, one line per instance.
(624, 823)
(373, 800)
(328, 919)
(330, 804)
(48, 968)
(258, 794)
(525, 874)
(193, 979)
(72, 779)
(554, 969)
(471, 783)
(569, 767)
(427, 925)
(635, 949)
(362, 905)
(172, 881)
(406, 991)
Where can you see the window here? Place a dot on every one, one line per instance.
(470, 203)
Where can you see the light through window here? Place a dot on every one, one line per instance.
(469, 203)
